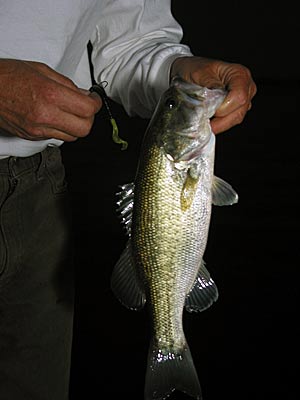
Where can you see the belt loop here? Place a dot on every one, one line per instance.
(42, 165)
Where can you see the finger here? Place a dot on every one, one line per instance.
(57, 134)
(74, 101)
(44, 133)
(73, 125)
(222, 124)
(237, 98)
(98, 100)
(47, 133)
(61, 122)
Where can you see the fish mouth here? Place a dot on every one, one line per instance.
(196, 95)
(189, 133)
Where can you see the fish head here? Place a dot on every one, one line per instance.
(182, 119)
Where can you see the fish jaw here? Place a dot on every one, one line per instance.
(181, 122)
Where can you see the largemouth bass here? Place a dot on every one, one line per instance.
(166, 212)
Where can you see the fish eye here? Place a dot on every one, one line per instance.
(171, 103)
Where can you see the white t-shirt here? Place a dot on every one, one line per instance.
(134, 44)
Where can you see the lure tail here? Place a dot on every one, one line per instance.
(167, 372)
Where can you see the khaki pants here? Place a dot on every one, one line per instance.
(36, 278)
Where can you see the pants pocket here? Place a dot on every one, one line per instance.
(55, 171)
(9, 222)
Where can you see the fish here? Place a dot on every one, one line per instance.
(166, 214)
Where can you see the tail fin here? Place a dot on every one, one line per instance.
(167, 372)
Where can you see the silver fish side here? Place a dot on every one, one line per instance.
(167, 215)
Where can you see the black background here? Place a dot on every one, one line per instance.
(246, 345)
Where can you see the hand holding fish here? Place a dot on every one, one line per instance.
(235, 78)
(38, 103)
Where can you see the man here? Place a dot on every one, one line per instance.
(44, 101)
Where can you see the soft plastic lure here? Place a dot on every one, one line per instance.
(99, 89)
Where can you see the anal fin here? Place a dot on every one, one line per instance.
(203, 293)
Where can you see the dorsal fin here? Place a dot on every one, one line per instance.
(125, 205)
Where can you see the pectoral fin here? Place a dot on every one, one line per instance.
(188, 192)
(125, 283)
(203, 293)
(222, 193)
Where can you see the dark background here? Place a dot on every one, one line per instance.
(245, 346)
